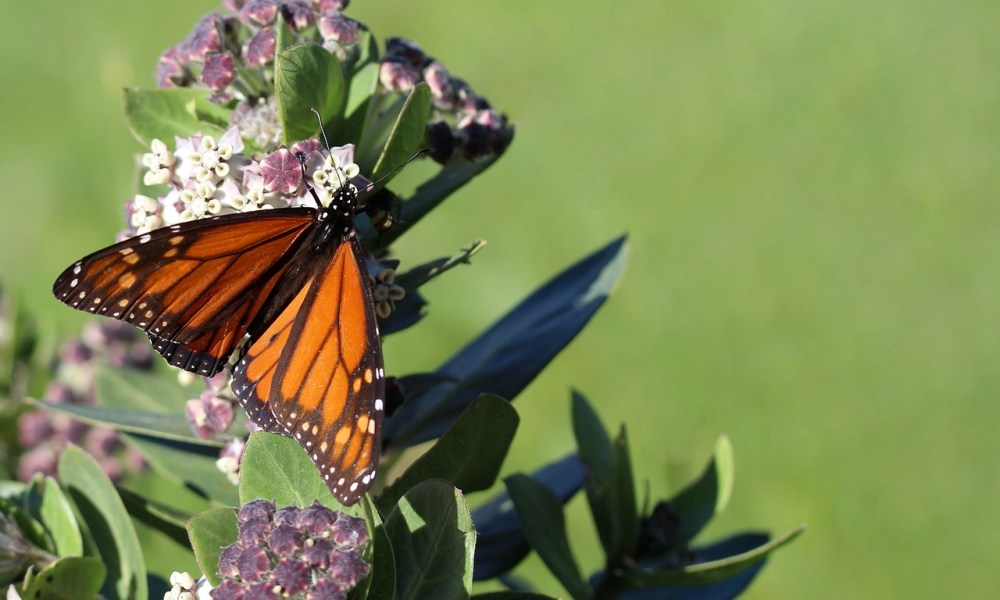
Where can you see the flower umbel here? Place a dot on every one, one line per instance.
(301, 553)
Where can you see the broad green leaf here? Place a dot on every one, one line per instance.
(164, 113)
(713, 571)
(306, 77)
(610, 491)
(544, 526)
(708, 495)
(57, 516)
(469, 454)
(500, 541)
(109, 525)
(190, 464)
(276, 467)
(505, 358)
(69, 578)
(433, 541)
(407, 133)
(184, 501)
(210, 531)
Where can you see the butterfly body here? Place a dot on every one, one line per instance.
(293, 281)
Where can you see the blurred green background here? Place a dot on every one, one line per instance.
(810, 191)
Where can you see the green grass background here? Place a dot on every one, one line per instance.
(810, 191)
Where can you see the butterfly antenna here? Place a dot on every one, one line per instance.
(305, 180)
(393, 172)
(326, 142)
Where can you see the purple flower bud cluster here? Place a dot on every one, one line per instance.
(231, 52)
(44, 434)
(302, 553)
(463, 122)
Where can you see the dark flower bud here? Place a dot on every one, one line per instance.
(349, 533)
(204, 38)
(284, 539)
(254, 531)
(259, 49)
(33, 428)
(228, 561)
(405, 49)
(253, 564)
(441, 141)
(229, 590)
(326, 589)
(170, 70)
(292, 575)
(298, 13)
(316, 519)
(265, 590)
(102, 441)
(329, 6)
(347, 567)
(219, 70)
(317, 553)
(254, 509)
(259, 12)
(339, 28)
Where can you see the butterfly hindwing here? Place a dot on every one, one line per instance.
(316, 372)
(196, 287)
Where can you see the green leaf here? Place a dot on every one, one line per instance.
(184, 501)
(469, 455)
(57, 516)
(713, 571)
(610, 491)
(171, 427)
(189, 464)
(433, 541)
(154, 391)
(277, 468)
(505, 358)
(708, 495)
(210, 531)
(407, 133)
(543, 524)
(69, 578)
(363, 78)
(103, 512)
(164, 113)
(306, 77)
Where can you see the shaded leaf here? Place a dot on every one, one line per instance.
(505, 358)
(109, 525)
(610, 491)
(433, 541)
(363, 83)
(716, 563)
(170, 427)
(469, 454)
(210, 531)
(544, 526)
(168, 112)
(407, 133)
(501, 544)
(705, 497)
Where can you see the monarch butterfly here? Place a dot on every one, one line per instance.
(294, 280)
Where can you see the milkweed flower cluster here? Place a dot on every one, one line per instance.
(304, 553)
(231, 52)
(45, 434)
(204, 177)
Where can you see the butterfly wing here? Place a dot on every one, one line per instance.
(316, 373)
(195, 288)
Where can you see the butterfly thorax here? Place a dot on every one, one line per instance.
(335, 222)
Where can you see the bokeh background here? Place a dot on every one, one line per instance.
(811, 194)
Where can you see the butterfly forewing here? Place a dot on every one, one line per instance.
(196, 287)
(316, 373)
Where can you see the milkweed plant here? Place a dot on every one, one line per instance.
(129, 479)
